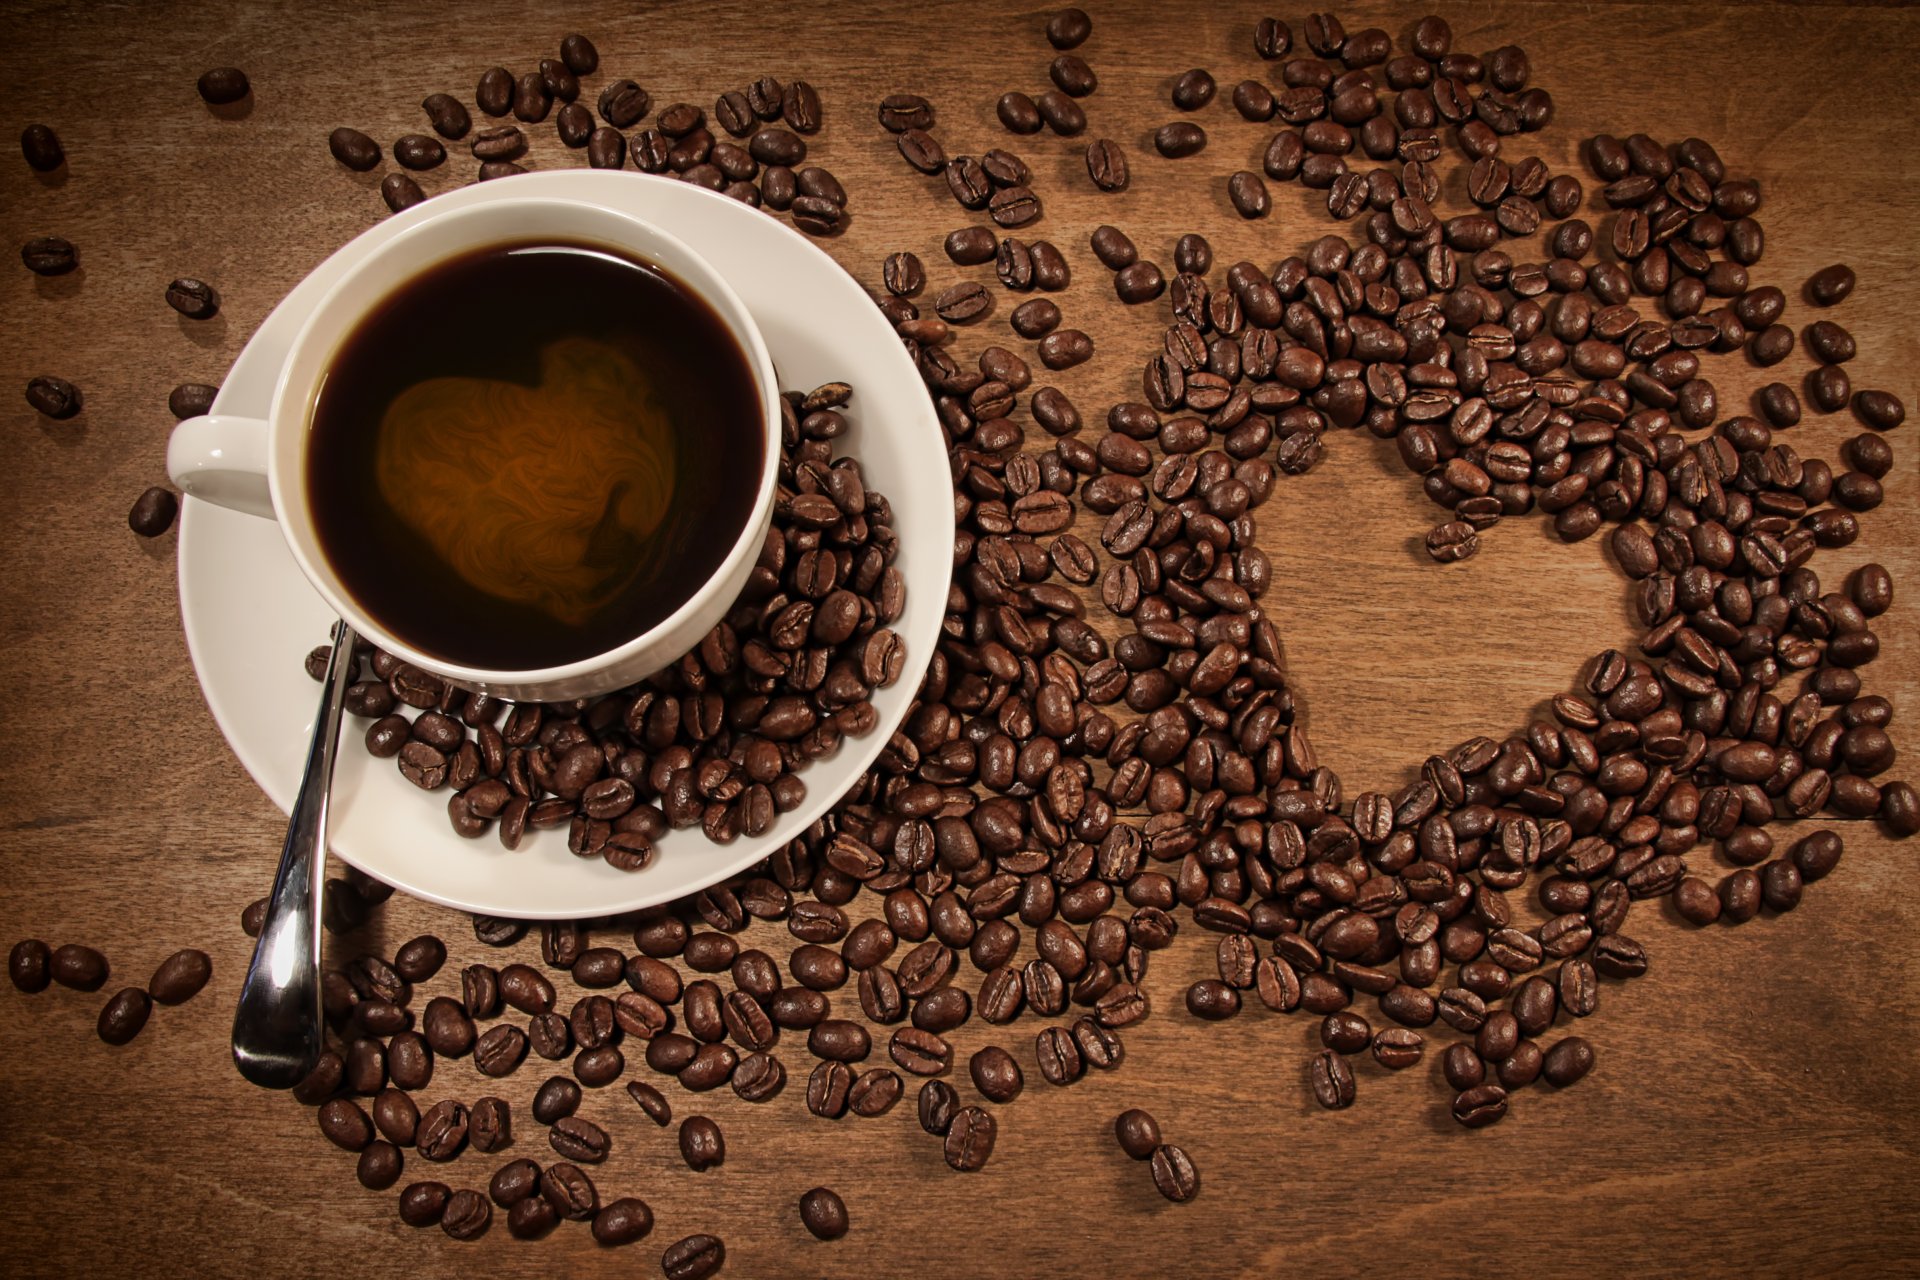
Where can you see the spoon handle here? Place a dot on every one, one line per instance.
(277, 1032)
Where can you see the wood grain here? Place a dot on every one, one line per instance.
(1752, 1112)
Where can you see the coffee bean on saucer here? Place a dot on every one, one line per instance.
(41, 146)
(77, 966)
(49, 256)
(180, 976)
(29, 965)
(353, 149)
(418, 151)
(223, 85)
(55, 397)
(400, 192)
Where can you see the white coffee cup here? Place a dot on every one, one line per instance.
(259, 467)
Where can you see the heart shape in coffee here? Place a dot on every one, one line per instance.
(488, 474)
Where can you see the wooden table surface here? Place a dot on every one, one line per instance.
(1753, 1108)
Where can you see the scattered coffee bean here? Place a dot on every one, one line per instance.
(353, 149)
(49, 256)
(701, 1144)
(41, 147)
(56, 398)
(180, 976)
(1173, 1174)
(124, 1015)
(1137, 1132)
(194, 299)
(693, 1257)
(223, 85)
(1830, 285)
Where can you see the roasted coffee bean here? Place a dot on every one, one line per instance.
(651, 1101)
(1173, 1173)
(532, 97)
(701, 1144)
(995, 1074)
(823, 1213)
(1567, 1062)
(570, 1191)
(152, 513)
(1180, 139)
(1829, 343)
(1069, 28)
(1107, 165)
(499, 1051)
(29, 965)
(1830, 285)
(622, 1222)
(418, 151)
(467, 1215)
(78, 967)
(489, 1124)
(42, 149)
(1331, 1080)
(223, 85)
(1137, 1132)
(693, 1257)
(55, 397)
(400, 192)
(1062, 114)
(494, 93)
(344, 1124)
(353, 149)
(194, 299)
(558, 1098)
(1248, 194)
(1480, 1106)
(969, 1140)
(1881, 410)
(423, 1204)
(579, 1140)
(448, 118)
(123, 1016)
(48, 256)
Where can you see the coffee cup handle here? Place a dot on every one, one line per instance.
(222, 459)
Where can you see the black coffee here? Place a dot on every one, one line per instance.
(533, 453)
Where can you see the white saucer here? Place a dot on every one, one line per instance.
(251, 617)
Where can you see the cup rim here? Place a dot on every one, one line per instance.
(288, 415)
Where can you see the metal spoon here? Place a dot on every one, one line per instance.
(277, 1035)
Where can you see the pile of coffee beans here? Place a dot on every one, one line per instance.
(761, 160)
(718, 738)
(32, 966)
(1106, 747)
